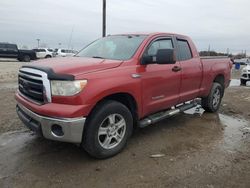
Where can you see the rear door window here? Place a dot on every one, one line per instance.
(184, 50)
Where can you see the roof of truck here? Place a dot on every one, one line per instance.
(151, 34)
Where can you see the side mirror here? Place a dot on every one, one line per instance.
(165, 56)
(148, 59)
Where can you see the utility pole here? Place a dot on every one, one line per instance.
(70, 38)
(38, 40)
(104, 18)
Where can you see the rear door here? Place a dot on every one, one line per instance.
(191, 74)
(12, 50)
(160, 84)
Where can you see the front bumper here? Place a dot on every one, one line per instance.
(59, 129)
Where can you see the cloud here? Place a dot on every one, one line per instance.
(220, 23)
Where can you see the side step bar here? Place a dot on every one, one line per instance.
(166, 114)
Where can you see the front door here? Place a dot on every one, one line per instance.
(12, 51)
(41, 53)
(160, 84)
(3, 50)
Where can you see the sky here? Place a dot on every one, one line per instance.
(220, 24)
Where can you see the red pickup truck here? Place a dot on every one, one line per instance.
(115, 84)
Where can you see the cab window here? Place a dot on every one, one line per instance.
(158, 45)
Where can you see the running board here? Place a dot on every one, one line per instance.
(166, 114)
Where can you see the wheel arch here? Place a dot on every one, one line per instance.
(126, 99)
(220, 78)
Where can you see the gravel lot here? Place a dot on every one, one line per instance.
(196, 149)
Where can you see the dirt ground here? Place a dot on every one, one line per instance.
(197, 149)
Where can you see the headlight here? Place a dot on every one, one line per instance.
(67, 88)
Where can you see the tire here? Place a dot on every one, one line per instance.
(102, 140)
(48, 56)
(243, 82)
(212, 102)
(26, 58)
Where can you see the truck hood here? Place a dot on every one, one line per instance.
(77, 65)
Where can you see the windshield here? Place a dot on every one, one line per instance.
(117, 47)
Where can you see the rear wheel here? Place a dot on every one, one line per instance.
(243, 82)
(48, 56)
(108, 129)
(212, 102)
(26, 58)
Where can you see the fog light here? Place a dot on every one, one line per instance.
(57, 130)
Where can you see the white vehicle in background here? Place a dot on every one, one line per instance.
(43, 53)
(64, 52)
(245, 74)
(243, 61)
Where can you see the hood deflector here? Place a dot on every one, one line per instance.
(51, 74)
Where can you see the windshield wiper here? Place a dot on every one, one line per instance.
(97, 57)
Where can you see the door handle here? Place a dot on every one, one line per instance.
(176, 69)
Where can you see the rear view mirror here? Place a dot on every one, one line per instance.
(165, 56)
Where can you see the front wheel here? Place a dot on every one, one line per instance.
(212, 102)
(108, 129)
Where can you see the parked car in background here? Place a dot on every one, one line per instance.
(43, 53)
(245, 74)
(243, 61)
(64, 52)
(8, 50)
(116, 84)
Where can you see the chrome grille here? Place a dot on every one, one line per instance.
(34, 85)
